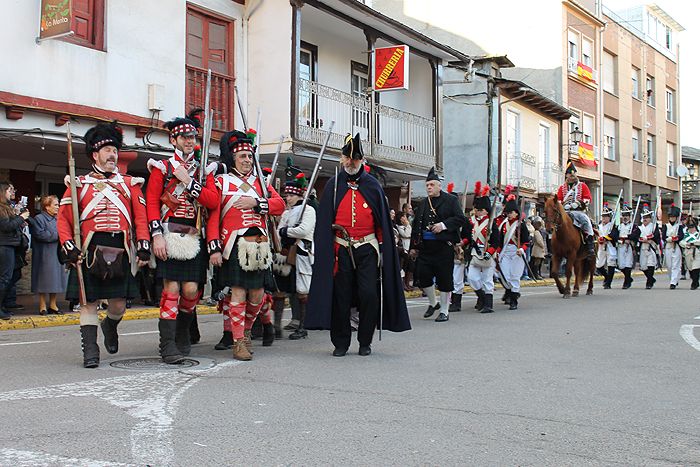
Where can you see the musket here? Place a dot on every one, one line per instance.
(275, 161)
(335, 186)
(464, 196)
(76, 215)
(256, 159)
(636, 209)
(206, 132)
(314, 174)
(617, 206)
(240, 107)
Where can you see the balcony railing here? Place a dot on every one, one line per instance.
(401, 136)
(222, 98)
(573, 66)
(551, 176)
(522, 171)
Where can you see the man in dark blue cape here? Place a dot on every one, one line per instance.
(353, 226)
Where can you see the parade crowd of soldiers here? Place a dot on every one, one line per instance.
(335, 259)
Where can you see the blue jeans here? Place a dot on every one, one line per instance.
(7, 269)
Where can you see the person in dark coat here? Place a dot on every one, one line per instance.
(436, 230)
(355, 256)
(48, 275)
(12, 241)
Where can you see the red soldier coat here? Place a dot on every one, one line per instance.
(114, 204)
(578, 192)
(226, 223)
(206, 195)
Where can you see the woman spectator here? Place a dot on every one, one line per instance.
(539, 249)
(12, 242)
(48, 275)
(407, 264)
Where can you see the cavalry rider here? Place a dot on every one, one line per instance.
(649, 237)
(296, 230)
(606, 259)
(238, 239)
(435, 232)
(625, 248)
(111, 207)
(691, 245)
(514, 240)
(351, 264)
(174, 201)
(672, 233)
(484, 239)
(575, 196)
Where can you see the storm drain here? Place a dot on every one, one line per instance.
(156, 364)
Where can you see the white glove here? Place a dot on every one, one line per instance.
(567, 207)
(575, 205)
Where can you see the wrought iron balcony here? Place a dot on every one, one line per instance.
(551, 176)
(522, 171)
(402, 137)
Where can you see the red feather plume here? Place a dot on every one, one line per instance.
(300, 175)
(509, 189)
(486, 191)
(510, 197)
(450, 187)
(477, 189)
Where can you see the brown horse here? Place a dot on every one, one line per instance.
(567, 243)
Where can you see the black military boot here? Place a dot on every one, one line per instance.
(168, 349)
(590, 248)
(488, 303)
(455, 302)
(300, 332)
(609, 277)
(109, 331)
(182, 332)
(628, 278)
(479, 300)
(278, 312)
(226, 341)
(649, 272)
(506, 297)
(514, 296)
(256, 332)
(91, 351)
(195, 335)
(4, 314)
(431, 310)
(695, 276)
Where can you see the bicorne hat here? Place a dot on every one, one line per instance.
(353, 147)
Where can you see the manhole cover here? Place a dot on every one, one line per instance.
(153, 364)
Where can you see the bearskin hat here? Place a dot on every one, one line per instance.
(101, 135)
(235, 141)
(182, 126)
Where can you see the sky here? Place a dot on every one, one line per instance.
(687, 13)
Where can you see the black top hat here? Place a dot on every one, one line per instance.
(674, 211)
(481, 196)
(511, 204)
(353, 147)
(101, 135)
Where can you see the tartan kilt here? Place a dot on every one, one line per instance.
(96, 289)
(232, 275)
(189, 270)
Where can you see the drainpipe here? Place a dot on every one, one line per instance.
(490, 96)
(601, 110)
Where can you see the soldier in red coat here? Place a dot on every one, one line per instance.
(575, 196)
(111, 208)
(175, 201)
(238, 239)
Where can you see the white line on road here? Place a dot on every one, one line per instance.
(137, 333)
(686, 332)
(25, 343)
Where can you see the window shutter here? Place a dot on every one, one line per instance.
(83, 19)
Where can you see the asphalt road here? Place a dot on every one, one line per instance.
(602, 380)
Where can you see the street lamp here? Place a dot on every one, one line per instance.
(576, 136)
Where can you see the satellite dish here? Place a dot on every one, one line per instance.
(682, 171)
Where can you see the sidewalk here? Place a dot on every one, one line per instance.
(26, 320)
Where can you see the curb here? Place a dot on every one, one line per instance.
(68, 319)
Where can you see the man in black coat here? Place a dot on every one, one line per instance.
(355, 256)
(436, 229)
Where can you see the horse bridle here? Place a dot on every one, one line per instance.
(555, 223)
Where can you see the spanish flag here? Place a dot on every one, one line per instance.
(585, 72)
(586, 155)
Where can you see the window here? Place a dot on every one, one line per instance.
(669, 38)
(610, 133)
(88, 23)
(650, 91)
(651, 151)
(671, 155)
(544, 153)
(358, 88)
(513, 134)
(587, 52)
(609, 72)
(635, 82)
(670, 105)
(573, 45)
(636, 153)
(588, 129)
(308, 108)
(209, 44)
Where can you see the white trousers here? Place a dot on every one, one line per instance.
(672, 259)
(647, 257)
(606, 256)
(304, 272)
(625, 256)
(458, 278)
(481, 278)
(511, 266)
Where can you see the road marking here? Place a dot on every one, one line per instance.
(697, 317)
(687, 334)
(137, 333)
(151, 398)
(31, 458)
(25, 343)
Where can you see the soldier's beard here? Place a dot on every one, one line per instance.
(353, 170)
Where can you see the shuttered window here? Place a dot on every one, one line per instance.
(88, 23)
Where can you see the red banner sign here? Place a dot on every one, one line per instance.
(56, 19)
(391, 68)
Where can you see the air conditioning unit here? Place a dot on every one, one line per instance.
(156, 93)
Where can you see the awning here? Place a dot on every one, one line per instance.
(533, 98)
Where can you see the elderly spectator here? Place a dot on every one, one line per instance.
(48, 275)
(13, 243)
(539, 249)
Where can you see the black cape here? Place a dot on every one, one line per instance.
(318, 313)
(447, 211)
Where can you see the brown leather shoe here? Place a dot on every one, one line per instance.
(240, 352)
(247, 340)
